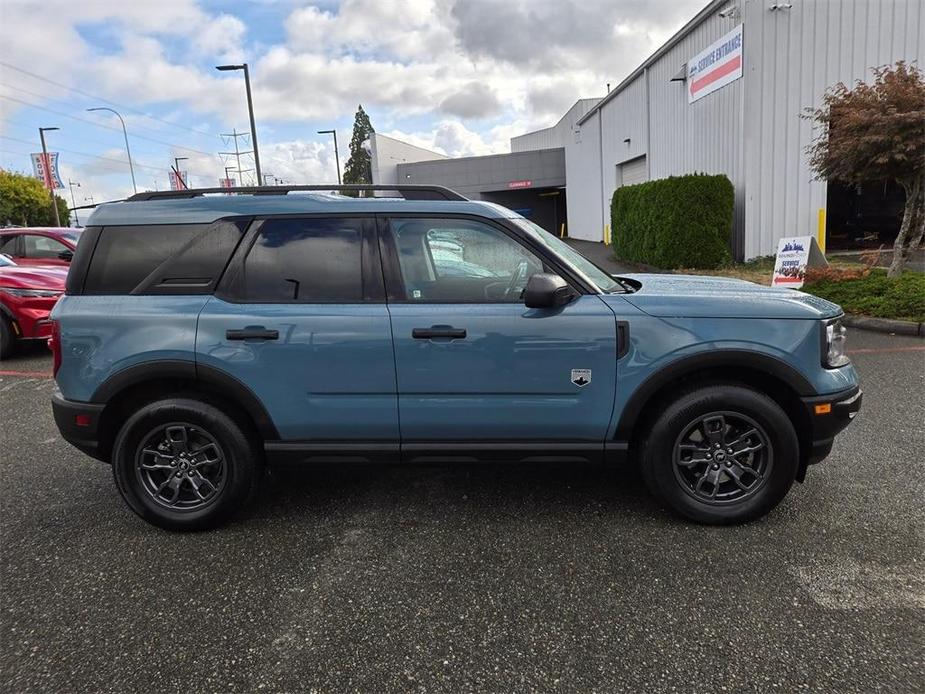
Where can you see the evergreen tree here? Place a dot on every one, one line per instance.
(359, 165)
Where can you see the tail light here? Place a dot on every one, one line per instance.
(54, 344)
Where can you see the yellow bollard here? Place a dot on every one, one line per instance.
(820, 230)
(606, 234)
(562, 231)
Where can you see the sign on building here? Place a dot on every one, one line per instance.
(715, 67)
(520, 184)
(47, 171)
(226, 182)
(794, 255)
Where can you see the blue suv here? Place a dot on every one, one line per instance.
(206, 334)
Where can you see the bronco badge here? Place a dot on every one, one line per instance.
(581, 377)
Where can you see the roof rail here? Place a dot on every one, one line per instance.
(409, 192)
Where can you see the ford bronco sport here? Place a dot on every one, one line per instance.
(205, 334)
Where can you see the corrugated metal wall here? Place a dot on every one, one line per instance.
(791, 57)
(750, 130)
(583, 169)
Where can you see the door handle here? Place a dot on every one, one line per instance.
(438, 331)
(253, 332)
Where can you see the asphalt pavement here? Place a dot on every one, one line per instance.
(504, 578)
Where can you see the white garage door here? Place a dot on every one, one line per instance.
(632, 171)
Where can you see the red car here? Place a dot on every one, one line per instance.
(27, 295)
(40, 245)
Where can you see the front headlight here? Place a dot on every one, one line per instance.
(30, 292)
(833, 344)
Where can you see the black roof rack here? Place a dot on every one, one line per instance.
(409, 192)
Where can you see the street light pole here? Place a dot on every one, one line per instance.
(71, 184)
(46, 167)
(336, 155)
(250, 110)
(131, 167)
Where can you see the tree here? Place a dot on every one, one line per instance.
(876, 132)
(359, 165)
(24, 201)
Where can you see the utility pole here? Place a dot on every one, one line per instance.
(71, 184)
(336, 155)
(46, 163)
(237, 153)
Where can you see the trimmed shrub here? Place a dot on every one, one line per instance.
(680, 221)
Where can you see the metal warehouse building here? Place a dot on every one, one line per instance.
(726, 95)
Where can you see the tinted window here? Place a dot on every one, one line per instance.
(305, 260)
(456, 260)
(43, 247)
(8, 244)
(125, 256)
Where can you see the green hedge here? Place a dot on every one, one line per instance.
(680, 221)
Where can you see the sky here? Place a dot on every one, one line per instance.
(460, 77)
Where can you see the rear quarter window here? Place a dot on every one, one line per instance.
(161, 259)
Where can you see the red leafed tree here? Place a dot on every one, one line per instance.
(876, 132)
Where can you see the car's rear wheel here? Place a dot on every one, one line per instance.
(183, 464)
(721, 454)
(7, 338)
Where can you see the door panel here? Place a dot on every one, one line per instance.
(329, 375)
(510, 378)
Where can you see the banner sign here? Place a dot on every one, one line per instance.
(717, 66)
(179, 184)
(520, 184)
(794, 255)
(47, 174)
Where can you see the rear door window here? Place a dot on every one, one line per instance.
(39, 247)
(309, 260)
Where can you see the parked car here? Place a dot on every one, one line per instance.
(204, 336)
(40, 245)
(27, 295)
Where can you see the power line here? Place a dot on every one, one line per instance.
(113, 103)
(102, 125)
(121, 162)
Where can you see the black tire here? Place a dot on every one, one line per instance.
(232, 476)
(745, 486)
(7, 338)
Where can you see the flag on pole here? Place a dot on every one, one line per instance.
(46, 170)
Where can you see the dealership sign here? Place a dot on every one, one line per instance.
(520, 184)
(717, 66)
(45, 168)
(794, 255)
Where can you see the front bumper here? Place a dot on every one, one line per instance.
(79, 424)
(828, 415)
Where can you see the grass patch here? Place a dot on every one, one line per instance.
(902, 298)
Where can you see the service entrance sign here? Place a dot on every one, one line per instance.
(715, 67)
(794, 255)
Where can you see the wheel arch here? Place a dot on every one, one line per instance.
(125, 391)
(769, 375)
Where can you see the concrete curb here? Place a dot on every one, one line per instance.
(885, 325)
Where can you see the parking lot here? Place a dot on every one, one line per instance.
(493, 577)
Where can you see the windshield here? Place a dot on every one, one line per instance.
(596, 275)
(6, 261)
(73, 236)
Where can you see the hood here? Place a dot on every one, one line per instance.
(22, 277)
(696, 296)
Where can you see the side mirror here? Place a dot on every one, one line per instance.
(66, 256)
(545, 290)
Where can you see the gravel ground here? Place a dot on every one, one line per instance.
(479, 578)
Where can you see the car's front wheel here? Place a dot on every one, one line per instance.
(721, 454)
(183, 464)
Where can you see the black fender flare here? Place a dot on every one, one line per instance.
(219, 381)
(727, 358)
